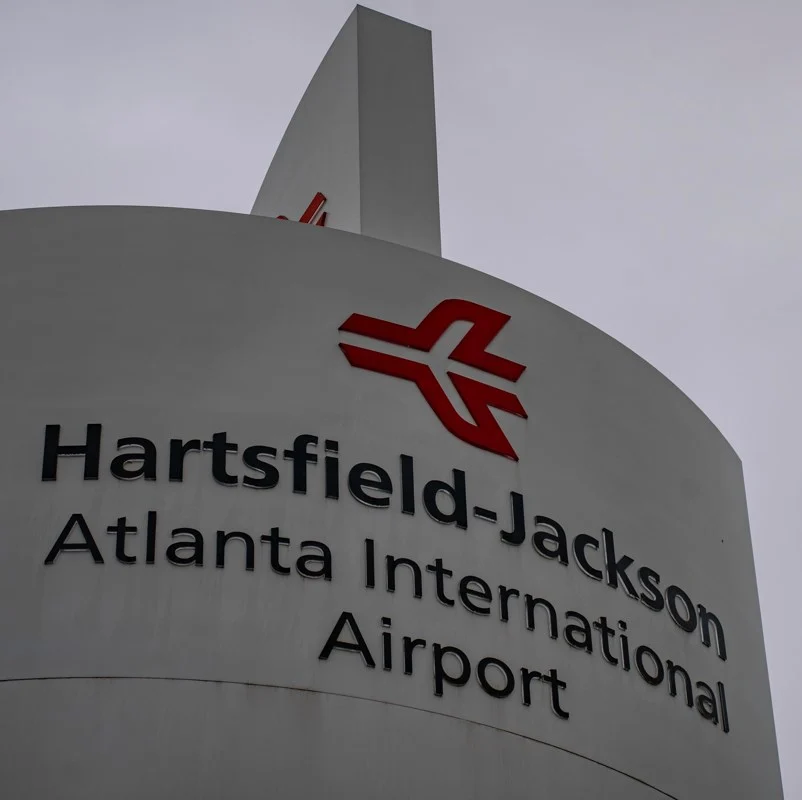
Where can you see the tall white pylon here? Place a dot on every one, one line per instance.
(364, 136)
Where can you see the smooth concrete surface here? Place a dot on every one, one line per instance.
(320, 150)
(169, 323)
(128, 738)
(364, 135)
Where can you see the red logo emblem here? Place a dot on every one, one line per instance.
(310, 216)
(483, 431)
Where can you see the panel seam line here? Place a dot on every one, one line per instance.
(346, 696)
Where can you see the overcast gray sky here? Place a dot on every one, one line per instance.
(638, 162)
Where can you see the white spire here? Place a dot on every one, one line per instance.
(364, 136)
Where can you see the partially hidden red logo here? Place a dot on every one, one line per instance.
(314, 214)
(481, 431)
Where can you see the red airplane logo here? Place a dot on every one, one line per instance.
(483, 431)
(310, 216)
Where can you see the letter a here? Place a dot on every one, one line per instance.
(88, 544)
(334, 642)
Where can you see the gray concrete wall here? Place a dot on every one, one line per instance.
(137, 679)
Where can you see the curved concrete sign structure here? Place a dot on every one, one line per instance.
(292, 511)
